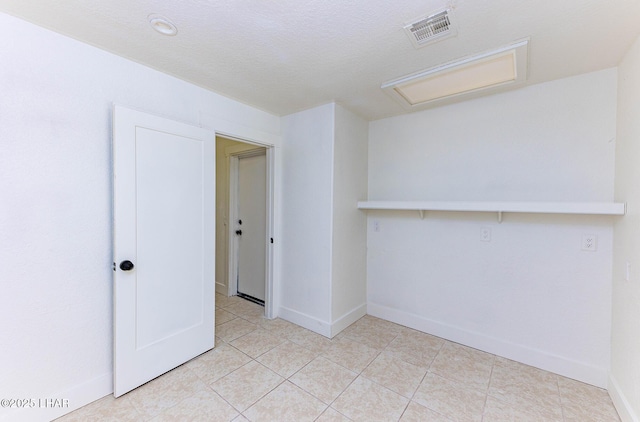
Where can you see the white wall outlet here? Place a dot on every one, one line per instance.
(376, 226)
(589, 242)
(485, 234)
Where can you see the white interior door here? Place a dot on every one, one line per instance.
(252, 224)
(164, 228)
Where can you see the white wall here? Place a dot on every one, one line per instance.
(307, 181)
(531, 294)
(349, 245)
(323, 280)
(55, 212)
(625, 348)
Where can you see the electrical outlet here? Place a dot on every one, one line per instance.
(485, 234)
(589, 242)
(376, 226)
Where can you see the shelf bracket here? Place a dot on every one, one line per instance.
(421, 214)
(499, 217)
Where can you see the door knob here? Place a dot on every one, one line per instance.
(126, 265)
(239, 232)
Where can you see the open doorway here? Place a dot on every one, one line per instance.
(244, 220)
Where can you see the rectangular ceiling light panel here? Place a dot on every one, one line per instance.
(462, 78)
(473, 76)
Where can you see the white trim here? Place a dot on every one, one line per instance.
(533, 357)
(306, 321)
(221, 288)
(625, 411)
(269, 311)
(347, 319)
(242, 149)
(223, 128)
(78, 396)
(324, 328)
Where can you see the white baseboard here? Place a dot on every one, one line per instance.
(222, 289)
(348, 319)
(322, 327)
(306, 321)
(76, 397)
(626, 412)
(538, 358)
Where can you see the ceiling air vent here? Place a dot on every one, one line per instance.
(432, 28)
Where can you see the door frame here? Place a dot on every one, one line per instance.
(233, 154)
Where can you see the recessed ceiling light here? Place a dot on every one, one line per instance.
(162, 24)
(497, 68)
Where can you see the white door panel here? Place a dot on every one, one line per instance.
(169, 179)
(164, 222)
(252, 243)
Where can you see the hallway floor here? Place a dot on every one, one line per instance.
(375, 370)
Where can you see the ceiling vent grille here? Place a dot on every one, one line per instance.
(428, 29)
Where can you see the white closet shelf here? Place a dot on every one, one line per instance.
(591, 208)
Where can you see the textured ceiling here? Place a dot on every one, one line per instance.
(284, 56)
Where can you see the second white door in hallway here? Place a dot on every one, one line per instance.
(251, 224)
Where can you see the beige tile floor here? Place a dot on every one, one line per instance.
(275, 371)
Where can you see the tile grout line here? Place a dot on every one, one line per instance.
(414, 392)
(486, 396)
(285, 379)
(425, 376)
(564, 418)
(209, 385)
(359, 374)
